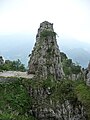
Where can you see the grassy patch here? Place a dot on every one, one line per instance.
(15, 101)
(46, 33)
(83, 94)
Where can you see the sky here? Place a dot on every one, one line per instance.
(71, 18)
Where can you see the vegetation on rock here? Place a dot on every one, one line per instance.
(46, 33)
(68, 66)
(46, 96)
(45, 58)
(12, 66)
(83, 93)
(15, 101)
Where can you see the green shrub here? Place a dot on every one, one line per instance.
(15, 101)
(68, 66)
(46, 33)
(13, 65)
(83, 94)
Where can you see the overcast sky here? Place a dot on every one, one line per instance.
(71, 18)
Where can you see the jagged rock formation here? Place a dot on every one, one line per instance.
(51, 99)
(46, 96)
(46, 108)
(45, 60)
(1, 60)
(88, 75)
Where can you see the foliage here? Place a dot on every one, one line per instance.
(74, 91)
(68, 66)
(49, 83)
(76, 69)
(15, 101)
(63, 91)
(60, 90)
(63, 56)
(12, 65)
(46, 33)
(83, 94)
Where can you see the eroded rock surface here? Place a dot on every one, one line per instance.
(46, 108)
(87, 75)
(1, 60)
(50, 101)
(45, 59)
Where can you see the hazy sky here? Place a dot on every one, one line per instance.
(71, 18)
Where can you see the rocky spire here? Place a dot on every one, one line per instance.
(88, 75)
(88, 66)
(45, 59)
(1, 60)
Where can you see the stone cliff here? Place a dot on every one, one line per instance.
(45, 59)
(43, 94)
(52, 97)
(87, 75)
(1, 60)
(51, 103)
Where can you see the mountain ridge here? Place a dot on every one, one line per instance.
(19, 47)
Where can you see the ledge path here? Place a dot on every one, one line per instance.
(16, 74)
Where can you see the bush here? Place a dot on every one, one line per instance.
(83, 93)
(12, 65)
(47, 33)
(15, 101)
(68, 66)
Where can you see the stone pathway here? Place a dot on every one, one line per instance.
(16, 74)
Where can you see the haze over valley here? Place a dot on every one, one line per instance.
(20, 46)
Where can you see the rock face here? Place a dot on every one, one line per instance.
(52, 99)
(45, 59)
(46, 108)
(1, 60)
(88, 75)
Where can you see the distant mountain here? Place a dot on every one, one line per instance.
(80, 56)
(20, 46)
(76, 50)
(16, 47)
